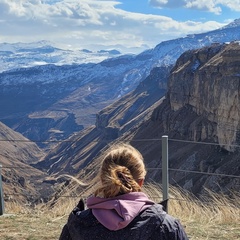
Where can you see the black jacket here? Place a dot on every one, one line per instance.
(151, 224)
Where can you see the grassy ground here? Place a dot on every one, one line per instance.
(218, 218)
(32, 227)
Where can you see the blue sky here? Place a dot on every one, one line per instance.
(126, 25)
(181, 13)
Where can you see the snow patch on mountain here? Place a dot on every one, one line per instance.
(25, 55)
(86, 66)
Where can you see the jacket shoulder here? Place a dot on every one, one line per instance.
(165, 225)
(171, 227)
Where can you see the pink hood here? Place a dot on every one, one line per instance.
(116, 213)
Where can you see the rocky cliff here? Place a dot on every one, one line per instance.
(208, 81)
(201, 117)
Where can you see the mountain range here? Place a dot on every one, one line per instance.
(51, 102)
(185, 88)
(24, 55)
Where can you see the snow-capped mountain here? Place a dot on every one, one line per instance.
(24, 55)
(42, 100)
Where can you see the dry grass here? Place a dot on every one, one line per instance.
(215, 217)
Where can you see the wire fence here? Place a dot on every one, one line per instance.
(153, 168)
(164, 171)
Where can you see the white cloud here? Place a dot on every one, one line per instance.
(205, 5)
(167, 3)
(214, 6)
(90, 22)
(234, 5)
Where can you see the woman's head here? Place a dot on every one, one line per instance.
(122, 171)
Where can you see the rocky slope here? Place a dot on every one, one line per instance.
(22, 183)
(111, 123)
(202, 97)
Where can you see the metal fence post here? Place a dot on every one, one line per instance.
(165, 180)
(1, 193)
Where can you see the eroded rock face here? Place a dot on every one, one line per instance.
(200, 115)
(208, 81)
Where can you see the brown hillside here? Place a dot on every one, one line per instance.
(111, 123)
(20, 181)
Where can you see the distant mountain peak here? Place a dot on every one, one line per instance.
(113, 52)
(86, 50)
(235, 23)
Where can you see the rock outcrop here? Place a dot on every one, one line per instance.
(201, 117)
(208, 80)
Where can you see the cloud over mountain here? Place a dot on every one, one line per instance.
(84, 23)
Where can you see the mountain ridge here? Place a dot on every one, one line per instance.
(75, 93)
(24, 55)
